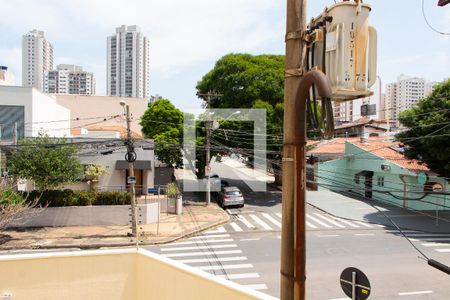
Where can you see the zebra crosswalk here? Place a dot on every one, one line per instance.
(439, 242)
(266, 221)
(217, 253)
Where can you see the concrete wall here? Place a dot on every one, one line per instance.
(87, 216)
(111, 274)
(340, 175)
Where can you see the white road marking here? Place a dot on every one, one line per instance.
(310, 225)
(235, 226)
(226, 267)
(381, 208)
(202, 253)
(364, 234)
(229, 212)
(199, 247)
(349, 223)
(204, 237)
(239, 276)
(200, 242)
(415, 293)
(327, 235)
(435, 245)
(212, 259)
(245, 240)
(442, 250)
(261, 286)
(268, 217)
(363, 224)
(279, 215)
(318, 221)
(221, 229)
(427, 234)
(244, 220)
(329, 220)
(431, 239)
(260, 222)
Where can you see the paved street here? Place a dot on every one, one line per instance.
(247, 251)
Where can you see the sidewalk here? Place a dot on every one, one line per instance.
(195, 218)
(351, 208)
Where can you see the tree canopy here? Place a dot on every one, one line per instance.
(428, 123)
(163, 122)
(49, 162)
(243, 78)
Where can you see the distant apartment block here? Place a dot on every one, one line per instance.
(6, 77)
(128, 63)
(37, 59)
(403, 94)
(69, 79)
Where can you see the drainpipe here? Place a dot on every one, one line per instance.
(294, 153)
(405, 190)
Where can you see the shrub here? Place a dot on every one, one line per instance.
(8, 196)
(59, 198)
(112, 198)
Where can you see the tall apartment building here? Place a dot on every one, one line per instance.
(69, 79)
(6, 77)
(128, 63)
(37, 58)
(349, 111)
(403, 94)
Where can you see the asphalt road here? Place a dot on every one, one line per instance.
(247, 251)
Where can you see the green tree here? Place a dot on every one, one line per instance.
(248, 81)
(49, 162)
(92, 173)
(243, 78)
(428, 123)
(163, 122)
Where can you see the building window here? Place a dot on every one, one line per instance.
(380, 181)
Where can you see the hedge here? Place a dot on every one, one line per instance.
(58, 198)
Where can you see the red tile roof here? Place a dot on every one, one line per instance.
(376, 145)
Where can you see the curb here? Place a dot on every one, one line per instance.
(170, 239)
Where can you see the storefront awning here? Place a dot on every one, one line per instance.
(138, 165)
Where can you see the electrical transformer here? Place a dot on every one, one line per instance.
(344, 47)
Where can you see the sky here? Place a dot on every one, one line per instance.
(188, 37)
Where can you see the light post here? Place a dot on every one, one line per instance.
(130, 157)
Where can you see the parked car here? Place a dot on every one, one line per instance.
(230, 196)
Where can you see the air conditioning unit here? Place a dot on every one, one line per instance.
(343, 39)
(385, 167)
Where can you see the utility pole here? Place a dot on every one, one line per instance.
(208, 125)
(131, 157)
(208, 154)
(294, 66)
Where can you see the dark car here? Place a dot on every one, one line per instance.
(231, 196)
